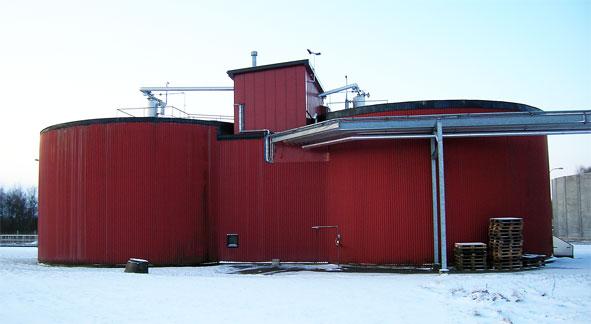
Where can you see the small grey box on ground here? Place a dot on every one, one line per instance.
(136, 266)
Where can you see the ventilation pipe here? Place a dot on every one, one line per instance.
(254, 54)
(268, 146)
(241, 118)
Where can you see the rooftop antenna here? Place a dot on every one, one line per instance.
(165, 98)
(346, 96)
(313, 54)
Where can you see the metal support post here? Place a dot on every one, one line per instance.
(441, 197)
(434, 198)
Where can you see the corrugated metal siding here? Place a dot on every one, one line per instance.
(273, 99)
(171, 192)
(271, 206)
(498, 177)
(380, 196)
(109, 192)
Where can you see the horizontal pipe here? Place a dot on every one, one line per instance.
(504, 122)
(366, 137)
(412, 136)
(149, 89)
(519, 133)
(353, 86)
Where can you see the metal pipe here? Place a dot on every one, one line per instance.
(434, 199)
(240, 118)
(150, 89)
(413, 136)
(366, 137)
(254, 54)
(154, 104)
(518, 133)
(441, 197)
(353, 86)
(267, 145)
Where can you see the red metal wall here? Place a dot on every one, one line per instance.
(170, 192)
(109, 191)
(498, 177)
(274, 99)
(272, 207)
(380, 195)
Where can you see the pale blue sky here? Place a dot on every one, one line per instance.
(68, 60)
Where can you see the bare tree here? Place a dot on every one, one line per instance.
(18, 211)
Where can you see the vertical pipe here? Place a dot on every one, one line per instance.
(441, 197)
(268, 148)
(254, 54)
(153, 110)
(434, 198)
(240, 118)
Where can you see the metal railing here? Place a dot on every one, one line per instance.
(173, 112)
(18, 240)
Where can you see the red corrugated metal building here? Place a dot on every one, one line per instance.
(179, 191)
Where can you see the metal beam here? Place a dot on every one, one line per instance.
(352, 86)
(454, 125)
(441, 179)
(150, 89)
(304, 131)
(366, 137)
(434, 199)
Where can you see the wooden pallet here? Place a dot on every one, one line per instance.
(508, 246)
(506, 243)
(506, 220)
(511, 242)
(471, 256)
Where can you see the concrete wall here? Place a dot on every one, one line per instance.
(571, 207)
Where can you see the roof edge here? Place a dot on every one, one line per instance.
(87, 122)
(306, 63)
(432, 104)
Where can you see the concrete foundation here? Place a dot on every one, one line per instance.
(571, 207)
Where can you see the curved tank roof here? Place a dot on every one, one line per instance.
(432, 104)
(222, 125)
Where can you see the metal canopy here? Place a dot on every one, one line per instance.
(453, 125)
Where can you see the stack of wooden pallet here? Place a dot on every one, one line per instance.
(506, 243)
(470, 256)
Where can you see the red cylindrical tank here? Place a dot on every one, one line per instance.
(112, 189)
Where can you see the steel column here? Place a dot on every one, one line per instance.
(441, 197)
(435, 215)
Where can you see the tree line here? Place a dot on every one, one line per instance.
(18, 210)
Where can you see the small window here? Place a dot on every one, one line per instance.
(232, 240)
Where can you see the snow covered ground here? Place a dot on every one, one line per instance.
(33, 293)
